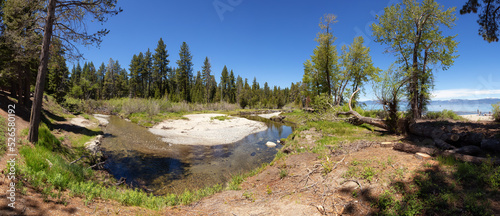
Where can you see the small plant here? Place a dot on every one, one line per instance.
(268, 190)
(235, 182)
(220, 118)
(249, 196)
(283, 173)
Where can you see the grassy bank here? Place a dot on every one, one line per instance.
(3, 137)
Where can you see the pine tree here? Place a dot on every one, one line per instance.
(58, 74)
(185, 72)
(160, 69)
(232, 88)
(207, 78)
(100, 81)
(224, 80)
(146, 73)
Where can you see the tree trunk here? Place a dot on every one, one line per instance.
(436, 152)
(36, 109)
(371, 121)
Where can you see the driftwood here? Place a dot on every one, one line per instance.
(371, 121)
(436, 152)
(72, 162)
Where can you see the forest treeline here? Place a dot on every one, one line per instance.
(150, 75)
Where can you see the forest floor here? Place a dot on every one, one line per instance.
(324, 168)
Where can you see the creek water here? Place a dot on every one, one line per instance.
(147, 162)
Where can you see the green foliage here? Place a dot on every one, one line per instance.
(283, 173)
(220, 118)
(419, 48)
(321, 102)
(496, 112)
(3, 137)
(443, 115)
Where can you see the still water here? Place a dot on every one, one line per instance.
(146, 161)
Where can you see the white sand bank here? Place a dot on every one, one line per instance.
(476, 117)
(103, 119)
(269, 115)
(200, 129)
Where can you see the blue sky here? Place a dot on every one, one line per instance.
(271, 40)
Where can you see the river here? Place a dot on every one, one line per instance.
(147, 162)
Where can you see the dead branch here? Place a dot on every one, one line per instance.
(84, 156)
(371, 121)
(97, 164)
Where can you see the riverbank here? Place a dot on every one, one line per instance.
(476, 117)
(206, 129)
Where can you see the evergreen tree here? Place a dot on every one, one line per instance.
(207, 78)
(58, 74)
(185, 72)
(146, 73)
(160, 69)
(224, 80)
(232, 88)
(100, 81)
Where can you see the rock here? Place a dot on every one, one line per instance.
(490, 145)
(286, 150)
(278, 141)
(422, 156)
(350, 185)
(253, 154)
(386, 144)
(469, 150)
(270, 144)
(94, 146)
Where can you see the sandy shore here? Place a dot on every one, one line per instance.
(200, 129)
(476, 117)
(269, 115)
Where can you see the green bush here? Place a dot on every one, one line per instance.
(3, 138)
(443, 115)
(496, 112)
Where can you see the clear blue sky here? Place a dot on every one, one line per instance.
(271, 40)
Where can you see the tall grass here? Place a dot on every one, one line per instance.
(443, 115)
(3, 138)
(152, 107)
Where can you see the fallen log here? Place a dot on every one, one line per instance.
(371, 121)
(449, 153)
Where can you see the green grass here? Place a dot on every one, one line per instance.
(443, 115)
(220, 118)
(3, 137)
(450, 188)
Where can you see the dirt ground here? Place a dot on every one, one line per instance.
(345, 182)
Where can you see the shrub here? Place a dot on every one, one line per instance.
(496, 112)
(443, 115)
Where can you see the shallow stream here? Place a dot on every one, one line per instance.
(147, 162)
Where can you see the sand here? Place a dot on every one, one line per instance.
(82, 122)
(269, 115)
(200, 129)
(476, 117)
(103, 119)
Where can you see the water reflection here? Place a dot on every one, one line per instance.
(145, 160)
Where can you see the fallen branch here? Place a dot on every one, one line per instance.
(97, 164)
(84, 156)
(371, 121)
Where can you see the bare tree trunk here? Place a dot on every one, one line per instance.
(371, 121)
(36, 109)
